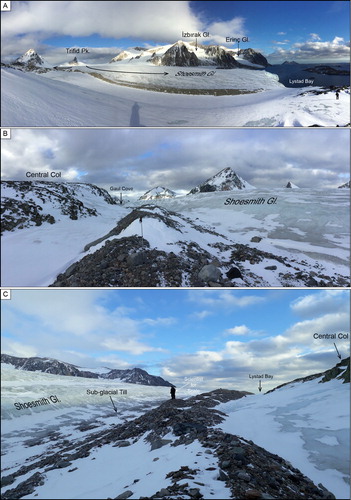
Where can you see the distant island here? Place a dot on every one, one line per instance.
(327, 70)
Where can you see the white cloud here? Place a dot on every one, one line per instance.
(314, 37)
(225, 298)
(202, 314)
(238, 330)
(18, 349)
(76, 319)
(159, 321)
(219, 30)
(326, 301)
(128, 344)
(314, 50)
(36, 20)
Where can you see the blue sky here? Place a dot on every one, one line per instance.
(219, 335)
(307, 31)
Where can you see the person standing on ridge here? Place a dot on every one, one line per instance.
(173, 391)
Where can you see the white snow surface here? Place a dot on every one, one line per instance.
(76, 98)
(303, 224)
(107, 471)
(307, 424)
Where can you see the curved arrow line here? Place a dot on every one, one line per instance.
(134, 72)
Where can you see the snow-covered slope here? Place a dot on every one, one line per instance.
(225, 180)
(80, 98)
(223, 444)
(307, 423)
(32, 203)
(158, 193)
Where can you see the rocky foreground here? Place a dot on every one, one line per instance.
(131, 261)
(249, 471)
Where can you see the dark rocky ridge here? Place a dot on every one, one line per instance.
(268, 477)
(340, 371)
(130, 261)
(55, 367)
(30, 207)
(254, 57)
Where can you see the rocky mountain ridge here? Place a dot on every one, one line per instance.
(341, 371)
(56, 367)
(30, 203)
(346, 185)
(224, 180)
(158, 193)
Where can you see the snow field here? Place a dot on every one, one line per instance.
(77, 99)
(307, 424)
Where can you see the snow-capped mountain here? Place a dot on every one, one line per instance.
(225, 180)
(346, 185)
(136, 376)
(190, 54)
(31, 203)
(157, 193)
(290, 185)
(30, 59)
(56, 367)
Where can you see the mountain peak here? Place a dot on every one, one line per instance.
(157, 193)
(290, 185)
(225, 180)
(30, 58)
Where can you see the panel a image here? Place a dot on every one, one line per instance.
(178, 64)
(176, 208)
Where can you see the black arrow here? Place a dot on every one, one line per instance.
(337, 351)
(259, 386)
(196, 44)
(113, 405)
(134, 72)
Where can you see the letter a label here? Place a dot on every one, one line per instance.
(5, 6)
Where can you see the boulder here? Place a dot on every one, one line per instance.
(210, 273)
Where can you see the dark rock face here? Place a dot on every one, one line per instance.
(45, 365)
(177, 55)
(254, 57)
(224, 180)
(137, 376)
(346, 185)
(29, 204)
(233, 273)
(221, 57)
(53, 366)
